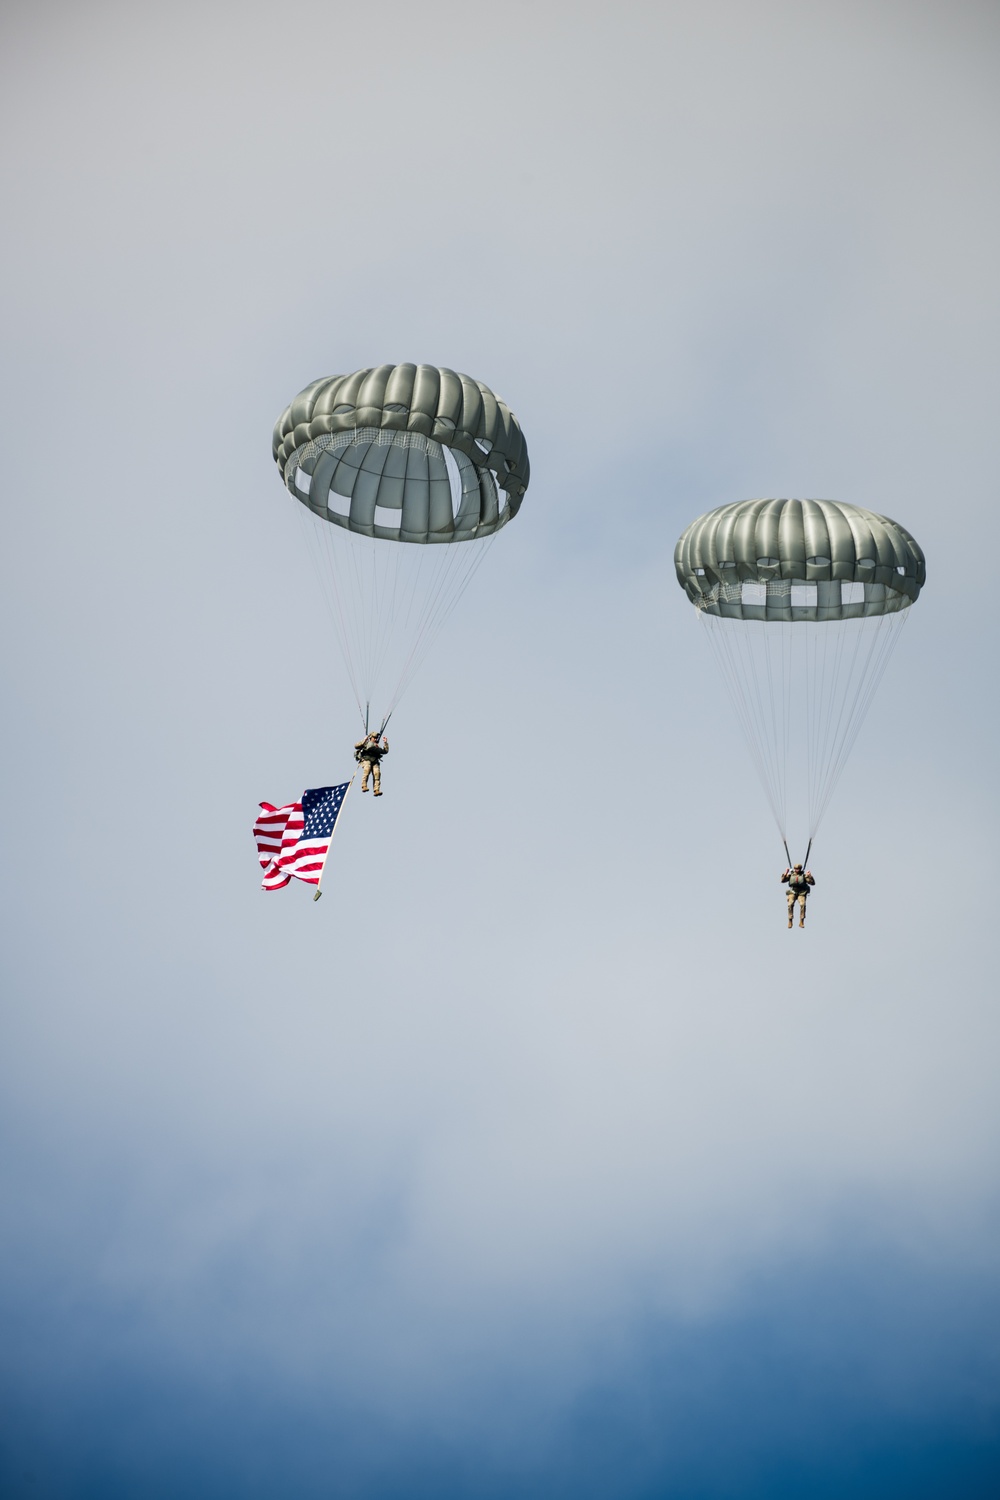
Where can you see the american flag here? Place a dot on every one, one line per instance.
(295, 840)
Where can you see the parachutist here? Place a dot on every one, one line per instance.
(368, 753)
(801, 602)
(402, 474)
(798, 881)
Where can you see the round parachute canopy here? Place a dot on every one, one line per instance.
(803, 602)
(798, 560)
(389, 456)
(406, 453)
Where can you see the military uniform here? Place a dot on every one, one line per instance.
(799, 882)
(368, 753)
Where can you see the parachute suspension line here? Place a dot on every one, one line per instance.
(775, 737)
(343, 592)
(384, 597)
(833, 700)
(453, 580)
(744, 678)
(787, 647)
(737, 672)
(772, 736)
(373, 614)
(754, 645)
(817, 651)
(846, 702)
(445, 579)
(801, 692)
(853, 658)
(367, 582)
(418, 622)
(884, 631)
(811, 647)
(388, 603)
(314, 539)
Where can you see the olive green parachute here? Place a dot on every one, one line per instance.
(803, 601)
(404, 453)
(791, 560)
(392, 462)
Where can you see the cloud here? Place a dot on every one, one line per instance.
(541, 1078)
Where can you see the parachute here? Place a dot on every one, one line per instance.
(803, 602)
(406, 473)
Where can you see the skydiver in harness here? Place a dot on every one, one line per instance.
(798, 881)
(368, 753)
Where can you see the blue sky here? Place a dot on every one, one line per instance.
(535, 1160)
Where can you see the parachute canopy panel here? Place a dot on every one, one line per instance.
(798, 560)
(408, 453)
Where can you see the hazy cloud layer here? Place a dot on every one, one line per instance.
(539, 1152)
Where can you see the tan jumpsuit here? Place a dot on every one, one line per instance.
(370, 753)
(798, 890)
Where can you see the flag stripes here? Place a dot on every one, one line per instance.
(293, 841)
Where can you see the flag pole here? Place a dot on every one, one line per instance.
(322, 871)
